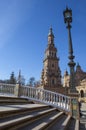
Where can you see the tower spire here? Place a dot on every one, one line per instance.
(19, 77)
(50, 36)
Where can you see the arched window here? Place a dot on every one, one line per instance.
(82, 93)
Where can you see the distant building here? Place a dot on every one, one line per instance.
(80, 81)
(79, 74)
(81, 88)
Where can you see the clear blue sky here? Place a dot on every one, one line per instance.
(24, 26)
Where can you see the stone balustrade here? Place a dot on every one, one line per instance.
(7, 89)
(54, 99)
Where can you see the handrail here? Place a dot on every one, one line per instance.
(51, 98)
(57, 100)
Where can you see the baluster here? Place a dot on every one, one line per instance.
(56, 99)
(65, 102)
(7, 89)
(31, 92)
(28, 92)
(69, 105)
(43, 95)
(49, 97)
(59, 101)
(62, 101)
(23, 91)
(35, 93)
(3, 89)
(53, 98)
(40, 94)
(65, 107)
(8, 92)
(11, 89)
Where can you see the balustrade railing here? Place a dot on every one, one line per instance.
(51, 98)
(37, 94)
(7, 89)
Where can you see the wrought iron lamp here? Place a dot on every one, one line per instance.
(68, 19)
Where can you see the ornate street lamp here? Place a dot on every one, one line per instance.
(68, 19)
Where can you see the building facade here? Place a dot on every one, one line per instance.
(80, 81)
(81, 88)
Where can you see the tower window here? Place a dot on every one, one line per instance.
(49, 53)
(82, 93)
(53, 82)
(52, 65)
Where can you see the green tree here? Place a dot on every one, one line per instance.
(31, 82)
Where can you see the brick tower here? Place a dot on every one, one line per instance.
(51, 74)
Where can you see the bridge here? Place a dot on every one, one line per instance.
(54, 102)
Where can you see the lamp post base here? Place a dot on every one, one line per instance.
(75, 105)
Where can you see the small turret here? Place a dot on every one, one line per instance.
(78, 68)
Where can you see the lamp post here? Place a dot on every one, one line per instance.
(68, 20)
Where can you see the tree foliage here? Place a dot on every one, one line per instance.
(33, 83)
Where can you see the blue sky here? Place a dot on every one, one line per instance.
(24, 26)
